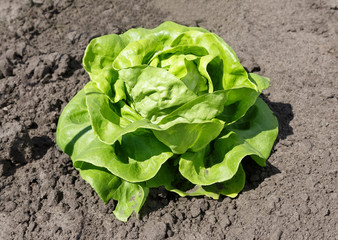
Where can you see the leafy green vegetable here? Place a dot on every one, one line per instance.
(170, 106)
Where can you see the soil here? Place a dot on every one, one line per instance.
(294, 42)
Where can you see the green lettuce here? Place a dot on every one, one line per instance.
(170, 106)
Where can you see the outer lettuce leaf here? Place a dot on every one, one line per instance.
(234, 75)
(101, 52)
(231, 187)
(104, 183)
(259, 128)
(95, 160)
(236, 106)
(169, 177)
(98, 59)
(130, 196)
(165, 32)
(73, 123)
(260, 81)
(139, 156)
(252, 136)
(136, 157)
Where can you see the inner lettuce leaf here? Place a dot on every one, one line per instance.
(170, 106)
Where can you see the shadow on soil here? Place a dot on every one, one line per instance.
(157, 199)
(25, 150)
(74, 65)
(256, 174)
(284, 114)
(41, 146)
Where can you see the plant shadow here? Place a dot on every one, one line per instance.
(256, 174)
(157, 199)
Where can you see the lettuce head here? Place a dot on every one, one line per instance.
(170, 106)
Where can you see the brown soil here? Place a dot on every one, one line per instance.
(294, 42)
